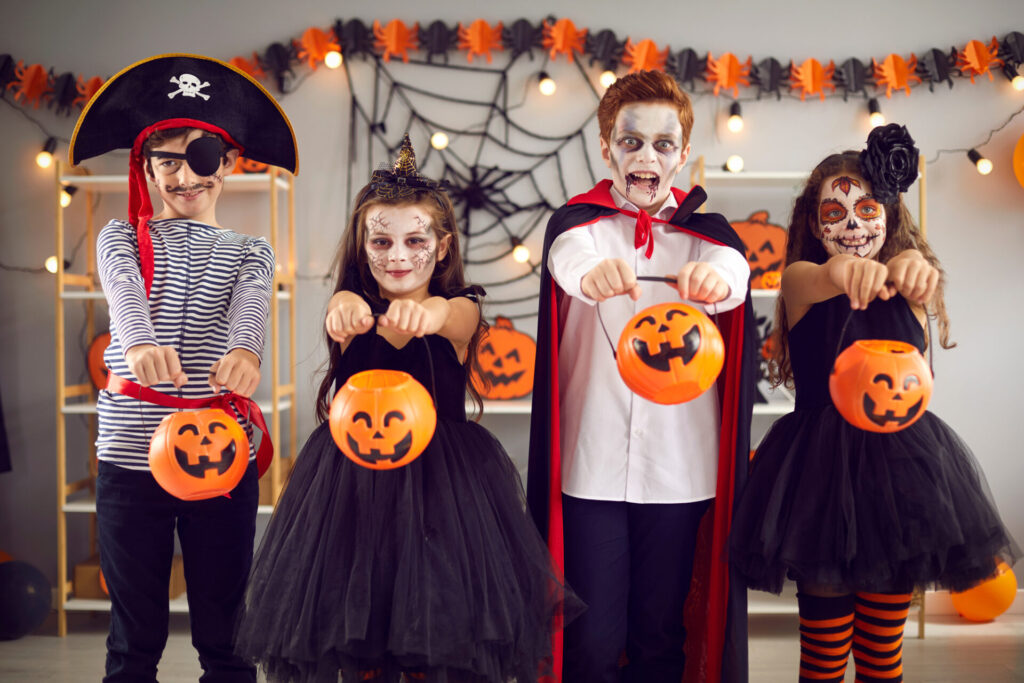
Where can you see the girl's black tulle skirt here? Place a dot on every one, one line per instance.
(830, 504)
(433, 568)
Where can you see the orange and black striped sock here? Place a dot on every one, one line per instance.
(878, 636)
(826, 631)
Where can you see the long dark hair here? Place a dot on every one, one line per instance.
(352, 273)
(803, 244)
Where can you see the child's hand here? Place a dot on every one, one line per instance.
(698, 281)
(237, 371)
(406, 316)
(913, 276)
(154, 364)
(347, 315)
(862, 279)
(609, 278)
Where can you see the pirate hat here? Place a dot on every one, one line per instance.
(174, 91)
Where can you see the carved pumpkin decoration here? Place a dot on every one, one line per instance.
(765, 245)
(772, 279)
(382, 419)
(506, 357)
(97, 368)
(244, 165)
(670, 353)
(198, 454)
(880, 385)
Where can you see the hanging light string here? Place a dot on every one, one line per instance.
(988, 138)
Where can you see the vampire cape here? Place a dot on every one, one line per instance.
(716, 612)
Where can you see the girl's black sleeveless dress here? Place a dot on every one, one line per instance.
(433, 567)
(831, 504)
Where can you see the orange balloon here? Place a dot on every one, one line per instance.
(198, 454)
(382, 419)
(880, 385)
(670, 353)
(1018, 160)
(988, 599)
(103, 584)
(5, 557)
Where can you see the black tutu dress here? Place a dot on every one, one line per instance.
(831, 504)
(432, 568)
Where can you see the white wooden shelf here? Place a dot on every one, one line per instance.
(88, 504)
(97, 295)
(759, 177)
(239, 182)
(89, 407)
(178, 605)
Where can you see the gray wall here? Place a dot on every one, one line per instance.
(974, 223)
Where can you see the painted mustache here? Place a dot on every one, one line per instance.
(191, 188)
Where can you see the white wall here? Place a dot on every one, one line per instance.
(976, 224)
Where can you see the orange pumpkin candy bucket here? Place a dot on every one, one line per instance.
(198, 454)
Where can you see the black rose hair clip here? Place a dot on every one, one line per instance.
(403, 178)
(889, 161)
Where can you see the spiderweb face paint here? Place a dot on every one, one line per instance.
(401, 249)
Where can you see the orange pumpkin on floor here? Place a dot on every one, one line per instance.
(198, 454)
(97, 367)
(880, 385)
(382, 419)
(506, 357)
(670, 353)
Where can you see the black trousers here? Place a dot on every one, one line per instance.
(631, 564)
(136, 519)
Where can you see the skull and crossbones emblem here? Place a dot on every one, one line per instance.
(188, 86)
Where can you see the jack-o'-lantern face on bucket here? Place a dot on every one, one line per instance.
(198, 454)
(881, 385)
(765, 245)
(670, 353)
(382, 419)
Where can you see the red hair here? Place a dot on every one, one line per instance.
(644, 86)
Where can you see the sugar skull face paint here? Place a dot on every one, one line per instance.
(402, 249)
(850, 220)
(645, 152)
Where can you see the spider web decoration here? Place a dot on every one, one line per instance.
(504, 176)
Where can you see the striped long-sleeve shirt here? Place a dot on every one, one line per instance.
(210, 294)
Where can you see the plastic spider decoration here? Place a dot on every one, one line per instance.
(278, 60)
(977, 58)
(811, 78)
(437, 39)
(6, 71)
(936, 66)
(63, 92)
(522, 37)
(853, 76)
(605, 48)
(687, 66)
(249, 66)
(1011, 51)
(30, 82)
(86, 89)
(479, 39)
(355, 37)
(769, 75)
(893, 73)
(727, 72)
(562, 37)
(644, 56)
(395, 38)
(314, 45)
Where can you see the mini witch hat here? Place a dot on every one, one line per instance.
(403, 178)
(175, 91)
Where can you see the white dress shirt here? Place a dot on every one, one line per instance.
(615, 445)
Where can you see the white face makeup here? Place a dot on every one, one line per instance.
(402, 250)
(185, 194)
(850, 220)
(645, 152)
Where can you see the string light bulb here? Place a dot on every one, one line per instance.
(1018, 81)
(607, 78)
(520, 252)
(66, 194)
(734, 164)
(983, 165)
(51, 264)
(875, 113)
(735, 122)
(45, 158)
(546, 84)
(332, 60)
(439, 140)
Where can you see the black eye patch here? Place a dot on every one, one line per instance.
(203, 155)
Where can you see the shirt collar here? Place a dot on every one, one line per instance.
(666, 211)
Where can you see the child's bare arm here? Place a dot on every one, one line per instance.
(805, 284)
(348, 314)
